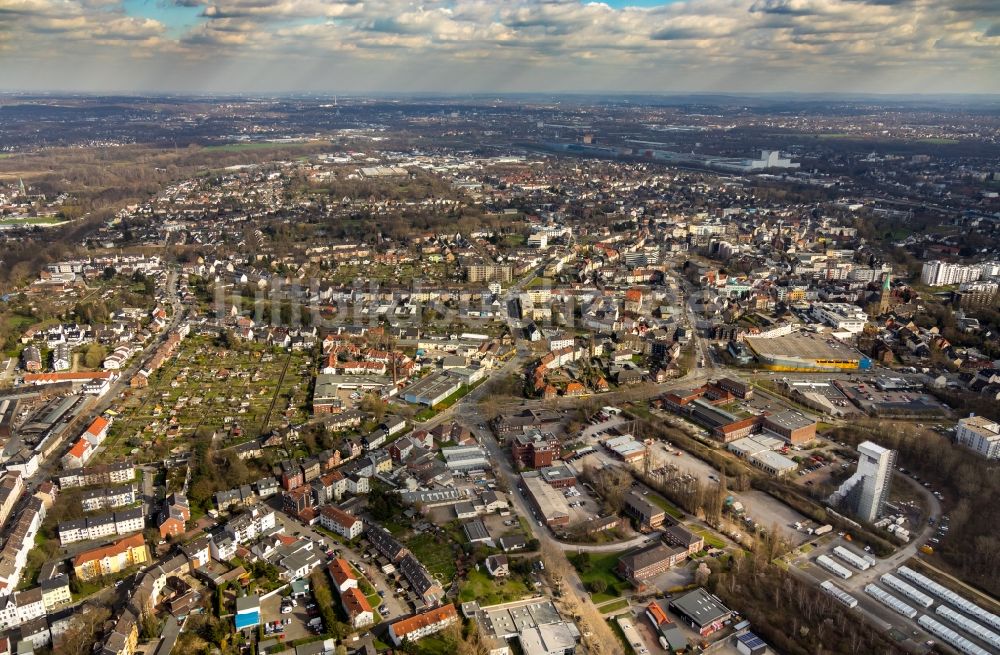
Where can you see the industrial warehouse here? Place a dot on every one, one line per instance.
(804, 351)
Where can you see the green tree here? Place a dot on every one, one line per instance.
(94, 355)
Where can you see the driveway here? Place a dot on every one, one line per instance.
(397, 606)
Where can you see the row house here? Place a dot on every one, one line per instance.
(426, 587)
(108, 474)
(108, 497)
(423, 624)
(11, 488)
(242, 496)
(111, 559)
(117, 523)
(20, 541)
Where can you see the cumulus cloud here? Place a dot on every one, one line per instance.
(784, 44)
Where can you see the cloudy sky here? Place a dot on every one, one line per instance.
(216, 46)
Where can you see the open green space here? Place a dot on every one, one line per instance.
(711, 539)
(479, 586)
(614, 607)
(600, 568)
(665, 505)
(435, 555)
(33, 220)
(436, 644)
(254, 145)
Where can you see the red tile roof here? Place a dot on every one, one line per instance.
(437, 615)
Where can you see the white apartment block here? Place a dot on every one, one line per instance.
(979, 434)
(937, 273)
(843, 317)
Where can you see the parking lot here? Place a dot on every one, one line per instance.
(397, 607)
(764, 509)
(297, 619)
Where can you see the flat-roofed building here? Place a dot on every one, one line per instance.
(550, 503)
(702, 611)
(979, 434)
(466, 458)
(559, 476)
(433, 389)
(792, 426)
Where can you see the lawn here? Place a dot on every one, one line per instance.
(711, 539)
(428, 413)
(614, 607)
(255, 145)
(665, 505)
(437, 557)
(33, 220)
(436, 644)
(601, 566)
(480, 587)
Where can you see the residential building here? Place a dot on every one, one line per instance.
(937, 273)
(112, 558)
(108, 474)
(359, 611)
(343, 523)
(342, 575)
(423, 624)
(118, 523)
(247, 612)
(979, 434)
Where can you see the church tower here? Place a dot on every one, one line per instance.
(885, 299)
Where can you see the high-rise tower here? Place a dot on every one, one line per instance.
(864, 493)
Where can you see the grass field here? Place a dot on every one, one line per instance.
(602, 567)
(614, 607)
(435, 644)
(33, 220)
(255, 145)
(711, 539)
(435, 555)
(665, 505)
(480, 587)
